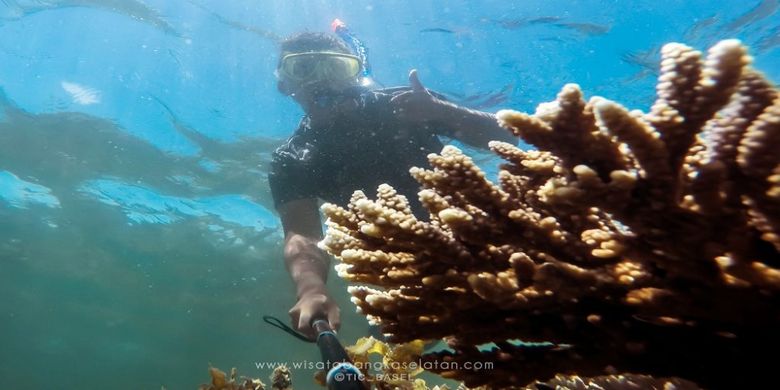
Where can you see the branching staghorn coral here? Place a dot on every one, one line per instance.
(629, 242)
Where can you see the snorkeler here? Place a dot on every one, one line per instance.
(351, 138)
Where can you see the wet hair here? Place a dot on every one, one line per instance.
(313, 41)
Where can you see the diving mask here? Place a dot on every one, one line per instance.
(314, 67)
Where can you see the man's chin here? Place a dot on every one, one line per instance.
(329, 88)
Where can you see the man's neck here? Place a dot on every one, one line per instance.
(321, 115)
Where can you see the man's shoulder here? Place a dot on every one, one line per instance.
(294, 148)
(372, 97)
(391, 91)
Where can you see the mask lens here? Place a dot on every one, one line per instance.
(320, 66)
(341, 68)
(300, 67)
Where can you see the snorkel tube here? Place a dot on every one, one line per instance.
(357, 46)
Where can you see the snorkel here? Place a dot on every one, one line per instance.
(357, 46)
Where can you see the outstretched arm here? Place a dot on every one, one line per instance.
(307, 264)
(472, 127)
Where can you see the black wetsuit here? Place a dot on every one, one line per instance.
(359, 150)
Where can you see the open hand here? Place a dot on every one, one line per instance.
(417, 105)
(311, 306)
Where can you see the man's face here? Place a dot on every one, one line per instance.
(317, 73)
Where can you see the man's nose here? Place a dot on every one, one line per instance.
(320, 71)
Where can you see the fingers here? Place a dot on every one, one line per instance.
(334, 317)
(311, 307)
(414, 81)
(417, 87)
(295, 314)
(304, 321)
(301, 320)
(304, 324)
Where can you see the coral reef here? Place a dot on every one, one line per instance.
(397, 369)
(628, 242)
(280, 380)
(612, 382)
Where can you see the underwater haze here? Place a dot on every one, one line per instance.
(138, 238)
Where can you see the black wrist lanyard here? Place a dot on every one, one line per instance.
(273, 321)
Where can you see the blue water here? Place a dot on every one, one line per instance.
(137, 237)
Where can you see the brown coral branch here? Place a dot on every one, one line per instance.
(629, 242)
(567, 129)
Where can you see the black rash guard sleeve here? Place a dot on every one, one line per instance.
(292, 175)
